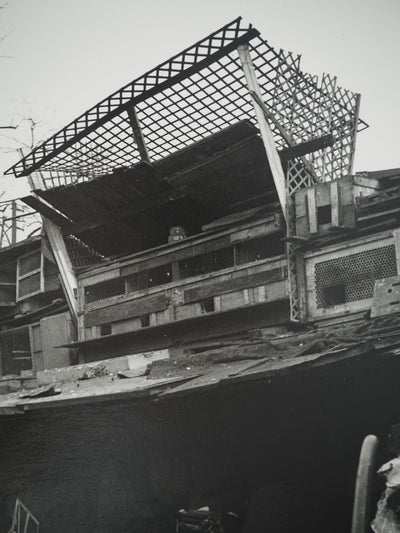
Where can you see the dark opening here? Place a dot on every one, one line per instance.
(145, 321)
(334, 295)
(15, 351)
(105, 329)
(209, 262)
(260, 248)
(207, 306)
(324, 214)
(150, 278)
(103, 290)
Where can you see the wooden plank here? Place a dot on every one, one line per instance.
(122, 311)
(312, 210)
(257, 231)
(386, 298)
(46, 210)
(396, 237)
(178, 255)
(265, 130)
(335, 204)
(68, 278)
(219, 287)
(137, 133)
(308, 147)
(369, 183)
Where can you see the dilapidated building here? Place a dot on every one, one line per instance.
(230, 245)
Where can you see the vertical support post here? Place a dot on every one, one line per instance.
(354, 136)
(312, 211)
(335, 204)
(138, 134)
(13, 222)
(265, 130)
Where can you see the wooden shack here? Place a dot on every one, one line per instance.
(230, 230)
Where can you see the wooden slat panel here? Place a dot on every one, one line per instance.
(184, 253)
(234, 284)
(122, 311)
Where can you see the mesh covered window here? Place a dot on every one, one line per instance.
(351, 278)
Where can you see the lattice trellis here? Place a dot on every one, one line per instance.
(196, 93)
(297, 178)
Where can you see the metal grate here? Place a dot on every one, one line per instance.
(352, 277)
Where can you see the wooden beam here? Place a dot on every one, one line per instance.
(219, 287)
(138, 134)
(286, 135)
(68, 278)
(46, 210)
(298, 150)
(266, 133)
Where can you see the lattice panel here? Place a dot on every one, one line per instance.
(205, 103)
(196, 93)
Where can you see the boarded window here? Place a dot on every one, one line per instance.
(15, 351)
(29, 275)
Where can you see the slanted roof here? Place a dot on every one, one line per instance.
(134, 208)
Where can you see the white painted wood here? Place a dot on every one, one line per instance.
(335, 204)
(265, 130)
(396, 236)
(312, 210)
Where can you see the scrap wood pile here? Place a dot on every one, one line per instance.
(382, 333)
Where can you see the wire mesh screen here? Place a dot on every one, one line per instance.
(351, 277)
(197, 93)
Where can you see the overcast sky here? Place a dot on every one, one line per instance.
(60, 57)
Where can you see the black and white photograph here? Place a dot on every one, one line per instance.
(199, 266)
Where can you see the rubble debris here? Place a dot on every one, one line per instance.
(94, 372)
(203, 519)
(42, 393)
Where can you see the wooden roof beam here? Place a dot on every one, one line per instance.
(265, 130)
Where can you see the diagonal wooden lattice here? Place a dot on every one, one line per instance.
(194, 94)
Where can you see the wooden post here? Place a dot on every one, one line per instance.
(312, 210)
(68, 278)
(13, 222)
(265, 130)
(335, 204)
(138, 135)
